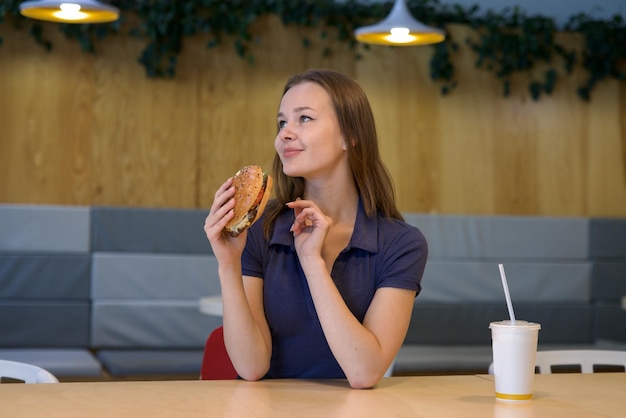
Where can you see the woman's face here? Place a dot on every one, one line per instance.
(309, 141)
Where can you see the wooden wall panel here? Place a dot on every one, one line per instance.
(468, 138)
(406, 107)
(45, 113)
(606, 151)
(239, 101)
(144, 140)
(77, 128)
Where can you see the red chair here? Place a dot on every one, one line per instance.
(216, 364)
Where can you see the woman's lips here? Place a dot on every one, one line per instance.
(291, 152)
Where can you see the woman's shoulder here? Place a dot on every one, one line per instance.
(399, 230)
(386, 222)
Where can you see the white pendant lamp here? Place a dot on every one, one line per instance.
(399, 28)
(70, 11)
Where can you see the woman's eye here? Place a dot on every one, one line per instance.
(305, 118)
(281, 124)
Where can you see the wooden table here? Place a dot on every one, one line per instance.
(556, 395)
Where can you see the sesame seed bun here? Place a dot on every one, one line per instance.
(252, 192)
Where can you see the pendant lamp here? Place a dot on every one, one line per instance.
(399, 28)
(70, 11)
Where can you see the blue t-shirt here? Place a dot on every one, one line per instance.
(382, 253)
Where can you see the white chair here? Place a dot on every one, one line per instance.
(392, 366)
(585, 359)
(26, 373)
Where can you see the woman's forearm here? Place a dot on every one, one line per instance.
(246, 335)
(357, 349)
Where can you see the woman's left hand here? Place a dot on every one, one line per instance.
(309, 228)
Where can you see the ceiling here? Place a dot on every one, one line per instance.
(559, 10)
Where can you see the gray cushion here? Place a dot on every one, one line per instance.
(154, 276)
(607, 238)
(150, 324)
(503, 237)
(532, 281)
(443, 358)
(120, 363)
(44, 228)
(59, 362)
(45, 276)
(47, 324)
(610, 323)
(149, 230)
(468, 324)
(609, 281)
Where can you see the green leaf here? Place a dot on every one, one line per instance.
(507, 42)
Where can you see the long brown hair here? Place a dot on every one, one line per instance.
(356, 122)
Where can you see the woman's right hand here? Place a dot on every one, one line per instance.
(227, 249)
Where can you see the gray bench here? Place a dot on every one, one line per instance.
(97, 291)
(45, 300)
(553, 276)
(150, 268)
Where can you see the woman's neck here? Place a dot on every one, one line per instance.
(337, 198)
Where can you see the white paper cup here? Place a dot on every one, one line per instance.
(514, 347)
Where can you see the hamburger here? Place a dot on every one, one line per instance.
(253, 187)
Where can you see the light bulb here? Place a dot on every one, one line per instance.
(70, 11)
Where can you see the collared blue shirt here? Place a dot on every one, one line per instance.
(381, 253)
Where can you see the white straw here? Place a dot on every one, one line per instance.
(506, 293)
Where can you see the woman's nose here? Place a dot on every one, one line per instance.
(286, 134)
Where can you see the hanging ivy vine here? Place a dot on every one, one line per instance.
(506, 43)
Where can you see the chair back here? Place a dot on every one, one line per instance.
(216, 364)
(588, 360)
(24, 372)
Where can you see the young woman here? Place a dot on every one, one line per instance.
(323, 285)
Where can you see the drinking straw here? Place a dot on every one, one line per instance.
(506, 293)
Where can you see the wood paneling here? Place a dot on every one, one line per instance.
(78, 128)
